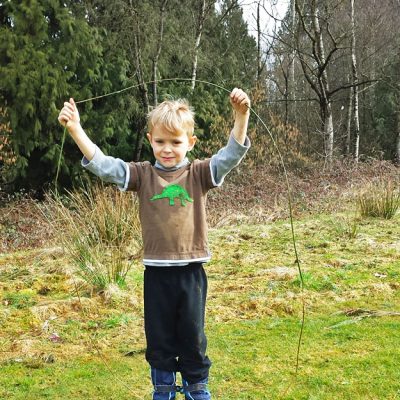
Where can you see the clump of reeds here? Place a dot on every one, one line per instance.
(100, 230)
(380, 200)
(348, 226)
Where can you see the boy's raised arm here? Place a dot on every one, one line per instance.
(69, 117)
(230, 156)
(241, 105)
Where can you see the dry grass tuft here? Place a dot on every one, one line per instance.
(100, 230)
(379, 199)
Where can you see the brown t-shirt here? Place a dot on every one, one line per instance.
(172, 209)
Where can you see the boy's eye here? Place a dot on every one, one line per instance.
(177, 142)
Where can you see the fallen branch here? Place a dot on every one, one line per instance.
(360, 314)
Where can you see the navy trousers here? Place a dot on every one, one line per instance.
(174, 309)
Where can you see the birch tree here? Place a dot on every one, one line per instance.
(163, 6)
(355, 85)
(348, 125)
(292, 57)
(204, 8)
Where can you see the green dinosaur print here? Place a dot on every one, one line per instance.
(171, 192)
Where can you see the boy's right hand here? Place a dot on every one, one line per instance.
(69, 115)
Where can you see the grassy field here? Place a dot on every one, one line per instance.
(59, 341)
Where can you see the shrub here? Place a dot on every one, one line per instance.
(100, 230)
(380, 200)
(347, 227)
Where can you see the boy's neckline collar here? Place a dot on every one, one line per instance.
(183, 163)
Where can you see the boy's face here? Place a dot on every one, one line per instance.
(169, 150)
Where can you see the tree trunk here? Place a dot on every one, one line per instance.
(199, 32)
(355, 86)
(142, 84)
(259, 57)
(324, 86)
(348, 127)
(398, 139)
(328, 129)
(158, 51)
(291, 79)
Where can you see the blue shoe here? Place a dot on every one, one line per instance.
(196, 391)
(164, 384)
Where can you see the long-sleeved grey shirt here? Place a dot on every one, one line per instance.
(116, 171)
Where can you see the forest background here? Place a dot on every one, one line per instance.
(325, 79)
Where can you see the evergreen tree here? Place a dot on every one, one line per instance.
(52, 50)
(47, 55)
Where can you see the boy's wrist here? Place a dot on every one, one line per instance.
(73, 128)
(242, 116)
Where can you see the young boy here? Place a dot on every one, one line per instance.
(172, 199)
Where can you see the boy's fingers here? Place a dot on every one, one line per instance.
(68, 112)
(238, 94)
(241, 100)
(72, 101)
(68, 106)
(62, 120)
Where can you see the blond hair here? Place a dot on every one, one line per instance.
(175, 115)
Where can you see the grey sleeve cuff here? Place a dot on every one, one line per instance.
(108, 169)
(227, 158)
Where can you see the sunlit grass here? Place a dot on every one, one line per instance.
(253, 319)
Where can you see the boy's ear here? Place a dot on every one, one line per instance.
(149, 136)
(192, 142)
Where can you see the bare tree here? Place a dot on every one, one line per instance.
(261, 60)
(309, 24)
(355, 85)
(397, 94)
(163, 6)
(342, 46)
(136, 54)
(292, 57)
(348, 125)
(204, 8)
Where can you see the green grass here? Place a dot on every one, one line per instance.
(253, 319)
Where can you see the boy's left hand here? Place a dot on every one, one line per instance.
(240, 101)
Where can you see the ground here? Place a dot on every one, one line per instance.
(60, 340)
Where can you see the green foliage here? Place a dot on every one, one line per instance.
(319, 284)
(117, 320)
(48, 55)
(53, 50)
(381, 200)
(22, 299)
(380, 138)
